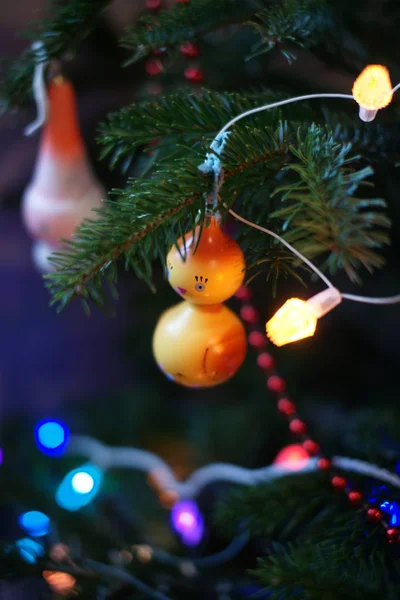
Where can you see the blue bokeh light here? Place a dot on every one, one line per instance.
(35, 523)
(29, 550)
(392, 512)
(79, 487)
(51, 436)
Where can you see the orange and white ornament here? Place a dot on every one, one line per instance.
(64, 189)
(200, 342)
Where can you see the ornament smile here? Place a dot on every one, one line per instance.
(181, 290)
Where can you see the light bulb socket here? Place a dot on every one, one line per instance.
(324, 301)
(367, 115)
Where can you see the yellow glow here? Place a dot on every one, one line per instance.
(294, 321)
(373, 89)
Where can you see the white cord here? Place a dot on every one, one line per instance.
(291, 248)
(280, 103)
(39, 89)
(107, 457)
(366, 300)
(397, 87)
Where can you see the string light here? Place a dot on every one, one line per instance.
(187, 520)
(372, 90)
(79, 487)
(29, 550)
(59, 582)
(51, 437)
(35, 523)
(294, 457)
(297, 319)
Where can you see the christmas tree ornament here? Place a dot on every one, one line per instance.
(293, 457)
(63, 190)
(297, 319)
(200, 342)
(199, 346)
(190, 50)
(372, 90)
(154, 67)
(194, 74)
(208, 270)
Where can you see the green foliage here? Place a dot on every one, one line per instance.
(63, 29)
(322, 213)
(183, 22)
(301, 22)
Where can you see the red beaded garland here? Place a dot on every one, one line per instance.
(338, 482)
(256, 339)
(243, 293)
(153, 4)
(297, 426)
(286, 406)
(374, 515)
(393, 535)
(249, 313)
(189, 50)
(154, 67)
(324, 464)
(311, 447)
(194, 74)
(276, 384)
(265, 360)
(355, 498)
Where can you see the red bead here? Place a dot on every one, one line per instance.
(297, 426)
(249, 313)
(158, 51)
(189, 50)
(355, 498)
(276, 384)
(286, 407)
(374, 515)
(311, 447)
(154, 67)
(393, 535)
(153, 4)
(265, 360)
(324, 464)
(243, 293)
(338, 482)
(194, 74)
(256, 339)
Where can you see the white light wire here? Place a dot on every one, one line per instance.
(364, 299)
(106, 458)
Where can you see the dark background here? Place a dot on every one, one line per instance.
(98, 373)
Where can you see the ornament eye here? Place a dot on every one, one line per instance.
(200, 286)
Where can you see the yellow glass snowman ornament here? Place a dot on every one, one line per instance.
(200, 342)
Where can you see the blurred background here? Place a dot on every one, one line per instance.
(97, 374)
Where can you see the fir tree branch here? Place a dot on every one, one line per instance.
(66, 25)
(323, 216)
(301, 22)
(183, 22)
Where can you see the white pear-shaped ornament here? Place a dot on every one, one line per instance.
(64, 189)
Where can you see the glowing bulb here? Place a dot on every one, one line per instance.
(51, 436)
(29, 550)
(188, 522)
(297, 319)
(79, 487)
(61, 583)
(372, 90)
(293, 457)
(82, 482)
(35, 523)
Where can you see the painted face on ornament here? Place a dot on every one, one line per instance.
(210, 273)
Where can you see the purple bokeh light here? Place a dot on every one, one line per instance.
(187, 520)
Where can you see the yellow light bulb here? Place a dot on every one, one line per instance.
(297, 319)
(372, 90)
(294, 321)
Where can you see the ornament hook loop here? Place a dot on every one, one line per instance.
(39, 87)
